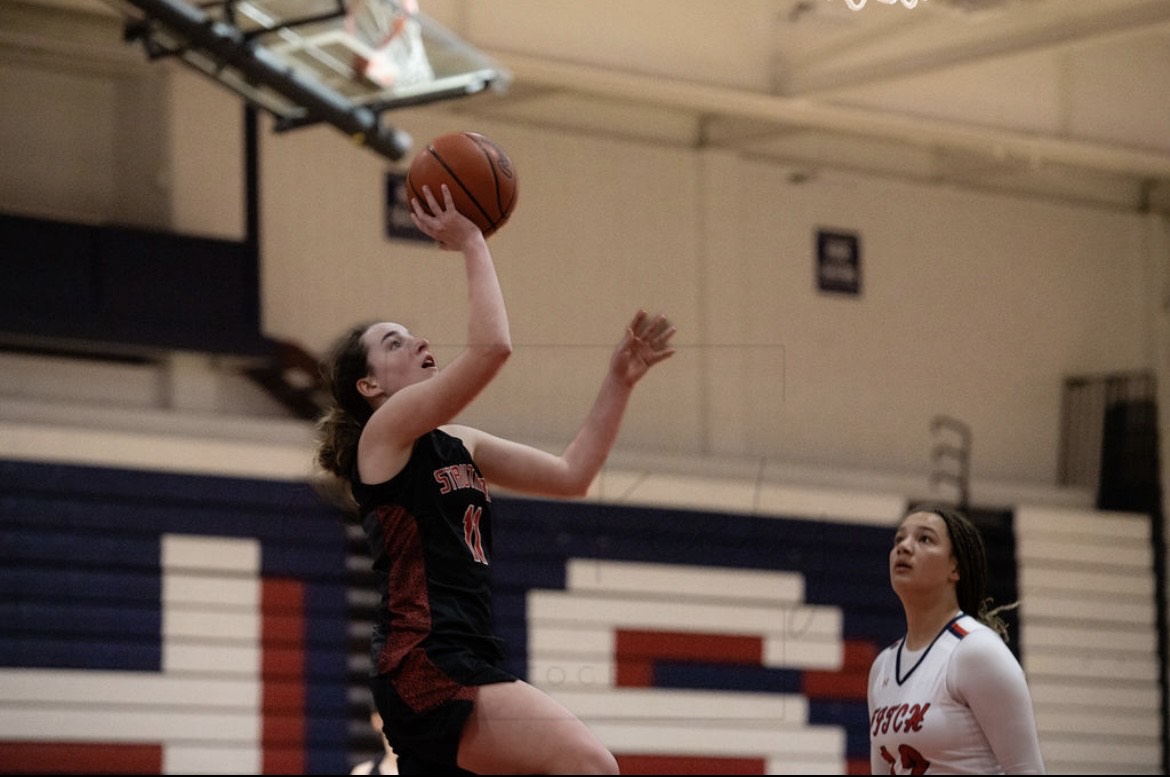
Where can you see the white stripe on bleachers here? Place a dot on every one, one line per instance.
(1134, 725)
(669, 704)
(1089, 613)
(560, 607)
(685, 580)
(83, 687)
(130, 725)
(1140, 643)
(1133, 695)
(206, 555)
(1111, 584)
(182, 588)
(1089, 638)
(806, 636)
(807, 742)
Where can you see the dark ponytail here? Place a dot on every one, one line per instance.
(340, 426)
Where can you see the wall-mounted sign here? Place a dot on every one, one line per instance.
(398, 223)
(838, 261)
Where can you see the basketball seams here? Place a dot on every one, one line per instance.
(486, 148)
(458, 160)
(502, 164)
(451, 172)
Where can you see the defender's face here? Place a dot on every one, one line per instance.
(923, 556)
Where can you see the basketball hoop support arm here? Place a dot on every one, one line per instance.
(228, 45)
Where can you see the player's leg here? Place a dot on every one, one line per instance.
(516, 728)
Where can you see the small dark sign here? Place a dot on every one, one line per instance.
(838, 261)
(398, 223)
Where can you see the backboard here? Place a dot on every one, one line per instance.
(344, 62)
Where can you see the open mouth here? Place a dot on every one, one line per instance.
(428, 362)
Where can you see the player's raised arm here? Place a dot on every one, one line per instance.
(645, 343)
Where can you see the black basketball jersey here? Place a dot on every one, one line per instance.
(430, 536)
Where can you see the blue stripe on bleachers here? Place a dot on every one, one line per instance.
(56, 618)
(725, 677)
(57, 653)
(844, 564)
(82, 584)
(56, 546)
(853, 716)
(80, 573)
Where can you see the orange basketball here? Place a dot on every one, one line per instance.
(478, 172)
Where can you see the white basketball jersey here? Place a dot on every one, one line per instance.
(918, 723)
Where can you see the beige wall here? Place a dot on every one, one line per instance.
(780, 400)
(974, 305)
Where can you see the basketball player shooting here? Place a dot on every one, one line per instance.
(420, 487)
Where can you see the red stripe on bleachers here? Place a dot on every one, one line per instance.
(850, 681)
(90, 757)
(689, 646)
(679, 764)
(282, 639)
(636, 651)
(283, 595)
(634, 674)
(283, 695)
(857, 766)
(844, 686)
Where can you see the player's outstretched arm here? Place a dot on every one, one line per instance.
(645, 343)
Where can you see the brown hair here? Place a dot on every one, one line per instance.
(970, 554)
(340, 426)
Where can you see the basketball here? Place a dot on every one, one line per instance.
(478, 172)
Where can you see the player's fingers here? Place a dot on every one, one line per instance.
(661, 324)
(434, 203)
(652, 329)
(664, 335)
(419, 210)
(639, 319)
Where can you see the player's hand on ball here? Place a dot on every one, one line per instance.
(646, 343)
(448, 227)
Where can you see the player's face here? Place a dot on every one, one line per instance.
(922, 557)
(396, 357)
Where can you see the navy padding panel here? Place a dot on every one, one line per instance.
(81, 582)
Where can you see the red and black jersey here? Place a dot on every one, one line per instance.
(430, 537)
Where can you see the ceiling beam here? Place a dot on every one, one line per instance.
(1035, 148)
(63, 39)
(1018, 34)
